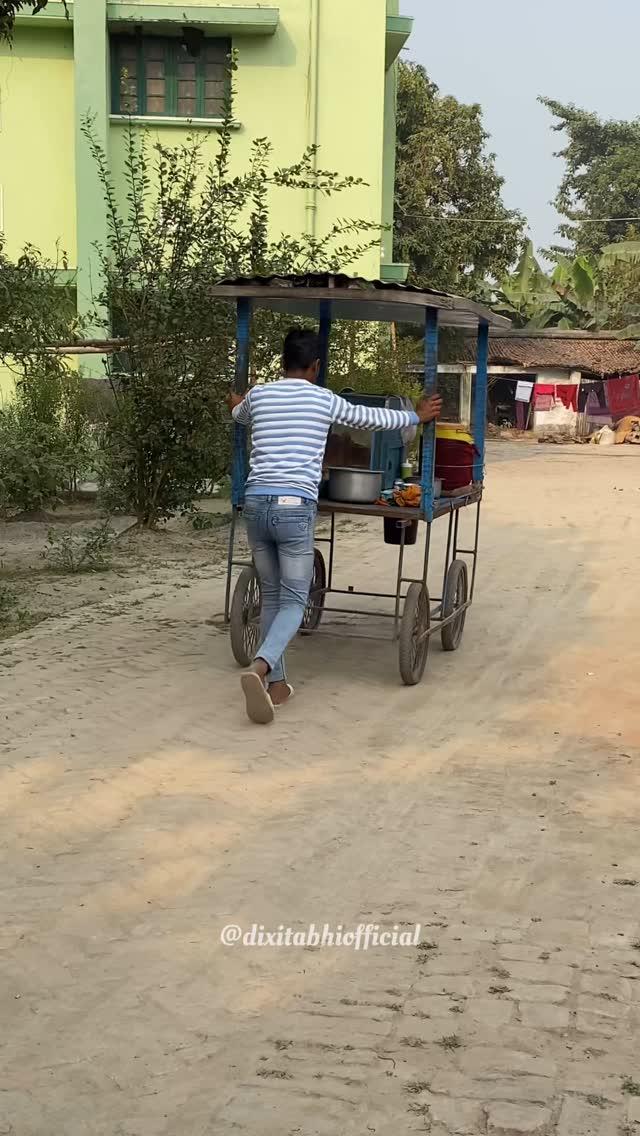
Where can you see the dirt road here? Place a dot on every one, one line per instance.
(497, 805)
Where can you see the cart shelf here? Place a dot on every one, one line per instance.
(442, 507)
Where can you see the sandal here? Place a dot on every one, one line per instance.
(260, 708)
(279, 705)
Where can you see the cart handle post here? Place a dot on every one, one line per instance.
(480, 400)
(241, 385)
(429, 431)
(324, 332)
(243, 345)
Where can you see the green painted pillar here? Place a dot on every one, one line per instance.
(91, 47)
(389, 161)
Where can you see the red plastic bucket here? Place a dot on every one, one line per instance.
(454, 463)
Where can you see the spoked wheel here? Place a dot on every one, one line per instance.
(244, 626)
(313, 612)
(414, 642)
(456, 593)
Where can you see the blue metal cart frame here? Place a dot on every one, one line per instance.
(416, 615)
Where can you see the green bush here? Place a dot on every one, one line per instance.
(39, 460)
(166, 458)
(369, 358)
(13, 617)
(73, 552)
(45, 434)
(7, 603)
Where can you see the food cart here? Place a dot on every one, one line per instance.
(414, 613)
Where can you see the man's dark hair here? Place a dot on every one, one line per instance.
(301, 349)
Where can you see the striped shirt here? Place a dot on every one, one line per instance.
(290, 422)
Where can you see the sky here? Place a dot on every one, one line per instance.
(504, 55)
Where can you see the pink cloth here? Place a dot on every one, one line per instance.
(543, 393)
(544, 402)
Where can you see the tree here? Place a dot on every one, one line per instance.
(619, 267)
(186, 224)
(447, 187)
(45, 441)
(371, 359)
(524, 295)
(594, 294)
(601, 179)
(9, 9)
(571, 297)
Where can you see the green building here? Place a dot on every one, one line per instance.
(309, 71)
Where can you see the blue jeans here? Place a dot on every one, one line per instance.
(281, 538)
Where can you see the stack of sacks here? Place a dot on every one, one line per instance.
(628, 430)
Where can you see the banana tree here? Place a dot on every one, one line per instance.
(621, 252)
(578, 288)
(525, 293)
(579, 293)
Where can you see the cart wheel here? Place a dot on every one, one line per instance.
(414, 643)
(456, 593)
(244, 627)
(313, 612)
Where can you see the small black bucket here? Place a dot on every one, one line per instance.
(393, 531)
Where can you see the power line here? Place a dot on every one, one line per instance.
(513, 221)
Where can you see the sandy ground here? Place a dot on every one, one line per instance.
(140, 563)
(497, 805)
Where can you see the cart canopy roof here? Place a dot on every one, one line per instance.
(357, 299)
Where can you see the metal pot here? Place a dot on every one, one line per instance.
(355, 486)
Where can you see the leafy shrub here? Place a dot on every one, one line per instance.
(7, 602)
(204, 522)
(73, 552)
(369, 358)
(45, 436)
(159, 448)
(39, 460)
(14, 617)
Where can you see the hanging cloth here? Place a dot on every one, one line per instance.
(567, 393)
(543, 396)
(623, 395)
